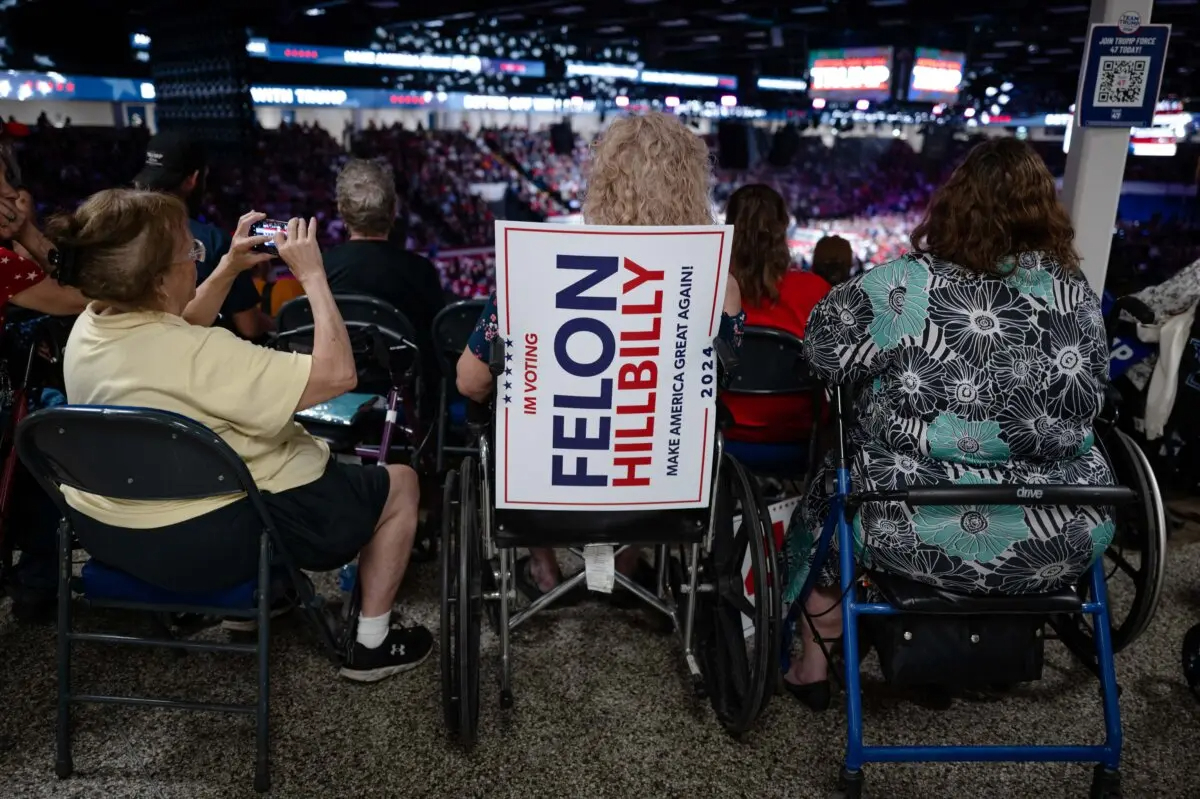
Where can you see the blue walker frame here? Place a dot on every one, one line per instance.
(1107, 754)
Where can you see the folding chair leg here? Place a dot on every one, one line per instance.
(262, 766)
(441, 429)
(63, 763)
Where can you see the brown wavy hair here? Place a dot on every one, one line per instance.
(648, 169)
(760, 255)
(1001, 201)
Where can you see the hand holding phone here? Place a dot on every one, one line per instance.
(297, 246)
(268, 227)
(244, 251)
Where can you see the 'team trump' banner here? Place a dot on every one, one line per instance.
(608, 396)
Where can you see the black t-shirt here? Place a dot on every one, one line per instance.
(403, 279)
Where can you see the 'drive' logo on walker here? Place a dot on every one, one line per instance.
(1029, 493)
(607, 399)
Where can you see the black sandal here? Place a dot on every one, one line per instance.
(528, 586)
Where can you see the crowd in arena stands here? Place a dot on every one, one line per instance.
(558, 174)
(436, 170)
(467, 276)
(871, 191)
(1147, 254)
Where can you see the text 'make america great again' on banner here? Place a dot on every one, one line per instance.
(608, 396)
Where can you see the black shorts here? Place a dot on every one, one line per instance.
(322, 525)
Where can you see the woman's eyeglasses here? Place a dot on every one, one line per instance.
(197, 253)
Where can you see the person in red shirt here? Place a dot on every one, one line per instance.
(774, 294)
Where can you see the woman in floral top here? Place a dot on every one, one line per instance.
(979, 358)
(646, 170)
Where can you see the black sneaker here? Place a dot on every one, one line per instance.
(404, 648)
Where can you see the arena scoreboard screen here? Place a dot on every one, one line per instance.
(936, 76)
(863, 73)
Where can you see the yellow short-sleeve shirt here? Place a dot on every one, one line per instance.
(245, 393)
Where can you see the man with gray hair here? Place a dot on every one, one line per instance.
(370, 263)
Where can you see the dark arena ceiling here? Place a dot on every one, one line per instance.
(1035, 44)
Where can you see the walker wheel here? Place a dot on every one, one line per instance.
(1106, 783)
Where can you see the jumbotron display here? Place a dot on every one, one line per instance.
(862, 73)
(936, 76)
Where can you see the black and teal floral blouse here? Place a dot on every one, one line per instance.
(965, 379)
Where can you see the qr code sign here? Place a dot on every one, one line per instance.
(1122, 82)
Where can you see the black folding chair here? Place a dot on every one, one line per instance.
(451, 328)
(150, 455)
(771, 363)
(388, 362)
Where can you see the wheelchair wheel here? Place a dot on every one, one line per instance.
(1135, 561)
(470, 609)
(738, 664)
(450, 600)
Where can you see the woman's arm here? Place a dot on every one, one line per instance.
(837, 338)
(240, 257)
(205, 306)
(473, 374)
(51, 297)
(333, 371)
(43, 293)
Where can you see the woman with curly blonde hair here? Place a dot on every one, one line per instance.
(980, 357)
(646, 169)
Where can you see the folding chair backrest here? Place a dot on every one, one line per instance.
(451, 328)
(129, 453)
(771, 361)
(357, 310)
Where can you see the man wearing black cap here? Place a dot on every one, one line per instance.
(178, 164)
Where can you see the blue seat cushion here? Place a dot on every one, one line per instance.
(341, 411)
(458, 413)
(104, 582)
(782, 459)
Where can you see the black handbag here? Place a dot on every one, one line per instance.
(958, 651)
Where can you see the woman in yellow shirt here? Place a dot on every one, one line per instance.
(131, 253)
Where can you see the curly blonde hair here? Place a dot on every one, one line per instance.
(649, 169)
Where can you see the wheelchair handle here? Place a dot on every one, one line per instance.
(496, 356)
(1005, 495)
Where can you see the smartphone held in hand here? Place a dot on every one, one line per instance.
(267, 227)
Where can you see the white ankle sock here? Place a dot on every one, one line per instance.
(372, 630)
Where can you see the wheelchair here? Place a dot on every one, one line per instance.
(33, 346)
(452, 327)
(700, 560)
(933, 636)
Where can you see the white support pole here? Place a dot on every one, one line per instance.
(1096, 166)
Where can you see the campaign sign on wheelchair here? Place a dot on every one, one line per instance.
(609, 373)
(602, 440)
